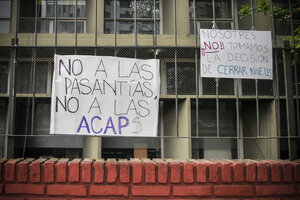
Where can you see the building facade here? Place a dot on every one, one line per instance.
(198, 117)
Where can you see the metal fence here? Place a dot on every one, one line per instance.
(217, 106)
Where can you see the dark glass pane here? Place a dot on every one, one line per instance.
(223, 9)
(207, 116)
(108, 27)
(46, 8)
(204, 9)
(69, 27)
(146, 27)
(125, 27)
(109, 9)
(3, 77)
(125, 9)
(145, 9)
(186, 78)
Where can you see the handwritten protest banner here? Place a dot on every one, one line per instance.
(96, 95)
(236, 54)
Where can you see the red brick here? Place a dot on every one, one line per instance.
(137, 171)
(287, 172)
(201, 172)
(297, 172)
(72, 190)
(250, 172)
(1, 188)
(73, 170)
(175, 172)
(86, 171)
(22, 170)
(213, 172)
(108, 190)
(48, 169)
(262, 171)
(98, 171)
(188, 172)
(155, 191)
(61, 170)
(2, 161)
(35, 170)
(111, 171)
(233, 190)
(270, 190)
(124, 172)
(162, 172)
(192, 191)
(149, 172)
(275, 172)
(226, 172)
(24, 189)
(10, 167)
(49, 198)
(238, 172)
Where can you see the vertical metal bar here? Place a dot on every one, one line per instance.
(34, 67)
(162, 134)
(176, 78)
(55, 20)
(154, 25)
(135, 53)
(176, 93)
(240, 146)
(216, 79)
(96, 26)
(12, 94)
(135, 23)
(214, 15)
(195, 23)
(35, 22)
(276, 71)
(76, 3)
(197, 92)
(17, 23)
(115, 22)
(252, 15)
(290, 108)
(217, 106)
(257, 108)
(295, 69)
(175, 24)
(256, 81)
(232, 14)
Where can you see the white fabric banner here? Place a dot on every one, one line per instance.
(236, 54)
(99, 95)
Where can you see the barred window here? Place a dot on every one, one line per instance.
(66, 11)
(125, 14)
(204, 14)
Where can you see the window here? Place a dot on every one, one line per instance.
(186, 78)
(66, 10)
(204, 14)
(24, 73)
(5, 16)
(3, 77)
(125, 15)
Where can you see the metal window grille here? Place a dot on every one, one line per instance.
(222, 111)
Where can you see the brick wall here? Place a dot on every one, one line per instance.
(32, 179)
